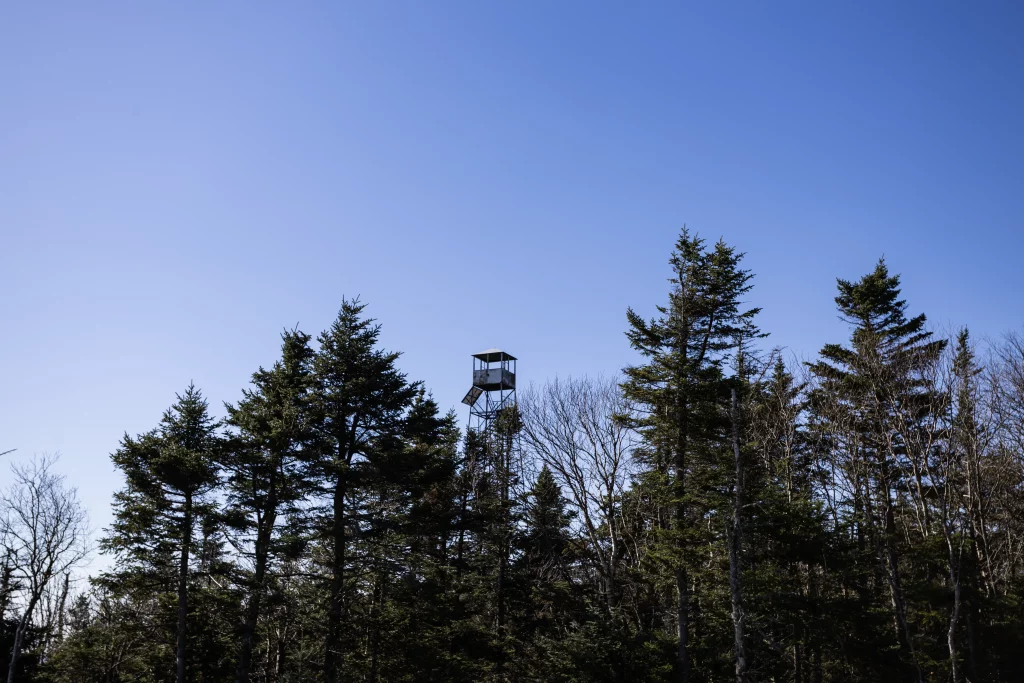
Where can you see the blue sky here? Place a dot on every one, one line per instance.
(181, 181)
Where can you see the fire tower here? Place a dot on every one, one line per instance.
(494, 388)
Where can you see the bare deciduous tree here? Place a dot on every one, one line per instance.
(44, 533)
(570, 426)
(1003, 475)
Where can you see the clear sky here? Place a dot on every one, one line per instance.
(181, 181)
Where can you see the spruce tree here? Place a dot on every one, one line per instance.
(171, 473)
(545, 539)
(360, 400)
(545, 557)
(542, 602)
(785, 534)
(873, 393)
(680, 390)
(268, 478)
(411, 511)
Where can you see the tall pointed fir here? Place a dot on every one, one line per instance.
(970, 564)
(360, 401)
(742, 391)
(874, 400)
(544, 549)
(785, 535)
(160, 515)
(268, 475)
(679, 389)
(410, 511)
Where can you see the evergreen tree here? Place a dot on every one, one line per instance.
(112, 638)
(503, 451)
(360, 401)
(784, 533)
(545, 540)
(412, 515)
(170, 474)
(680, 388)
(968, 442)
(874, 396)
(541, 596)
(268, 476)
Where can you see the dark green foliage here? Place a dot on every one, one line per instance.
(860, 524)
(877, 407)
(165, 519)
(360, 401)
(169, 474)
(542, 598)
(267, 464)
(681, 392)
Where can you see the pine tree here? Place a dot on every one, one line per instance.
(542, 601)
(680, 388)
(785, 534)
(360, 401)
(736, 527)
(502, 446)
(412, 510)
(545, 540)
(267, 461)
(170, 474)
(545, 557)
(113, 638)
(966, 444)
(874, 394)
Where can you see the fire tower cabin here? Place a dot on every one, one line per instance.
(494, 387)
(494, 370)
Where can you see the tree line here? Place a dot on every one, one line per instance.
(713, 513)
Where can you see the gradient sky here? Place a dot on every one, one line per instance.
(181, 181)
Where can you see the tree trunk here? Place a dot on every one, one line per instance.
(683, 623)
(186, 544)
(333, 650)
(502, 561)
(19, 636)
(896, 592)
(463, 507)
(954, 617)
(954, 663)
(376, 609)
(682, 581)
(281, 647)
(252, 612)
(61, 606)
(892, 568)
(735, 548)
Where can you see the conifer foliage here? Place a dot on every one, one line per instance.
(681, 392)
(168, 508)
(712, 514)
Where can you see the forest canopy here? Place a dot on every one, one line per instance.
(714, 512)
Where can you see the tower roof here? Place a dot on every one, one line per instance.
(492, 355)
